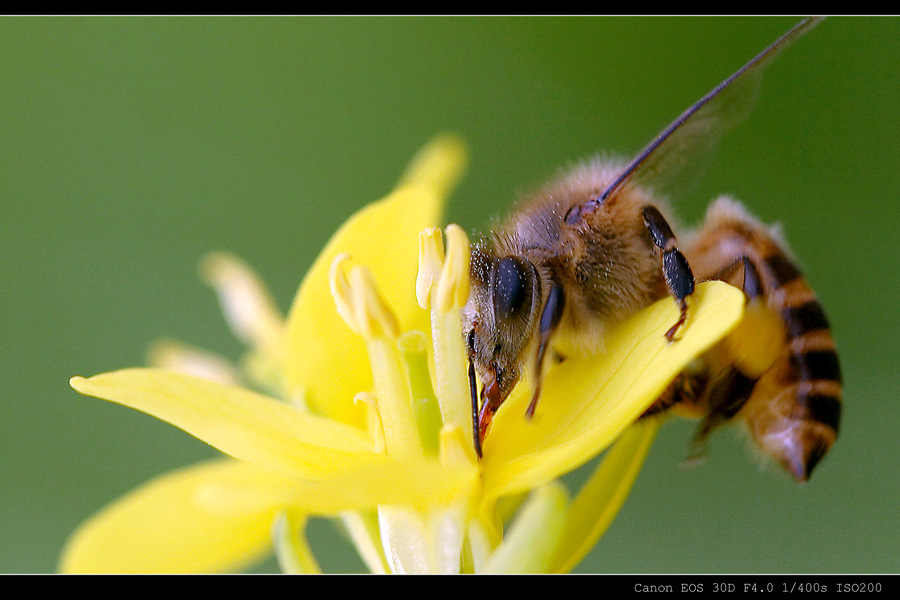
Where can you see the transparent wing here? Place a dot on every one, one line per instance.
(685, 145)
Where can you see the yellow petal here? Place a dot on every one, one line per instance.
(413, 482)
(291, 547)
(417, 483)
(172, 525)
(362, 528)
(325, 362)
(588, 401)
(600, 499)
(239, 422)
(438, 166)
(533, 539)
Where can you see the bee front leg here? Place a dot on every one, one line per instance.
(550, 318)
(676, 270)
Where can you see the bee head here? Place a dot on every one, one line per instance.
(499, 319)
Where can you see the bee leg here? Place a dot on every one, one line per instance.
(685, 391)
(751, 284)
(550, 318)
(677, 271)
(726, 395)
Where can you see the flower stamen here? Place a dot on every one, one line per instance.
(442, 285)
(453, 285)
(340, 291)
(366, 313)
(431, 257)
(175, 356)
(248, 307)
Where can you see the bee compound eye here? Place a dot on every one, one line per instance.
(510, 288)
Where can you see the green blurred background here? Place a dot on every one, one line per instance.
(130, 147)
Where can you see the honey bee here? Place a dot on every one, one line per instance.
(594, 246)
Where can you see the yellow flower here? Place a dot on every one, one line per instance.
(373, 425)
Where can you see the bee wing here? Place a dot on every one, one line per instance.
(687, 141)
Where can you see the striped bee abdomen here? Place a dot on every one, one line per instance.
(779, 371)
(796, 413)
